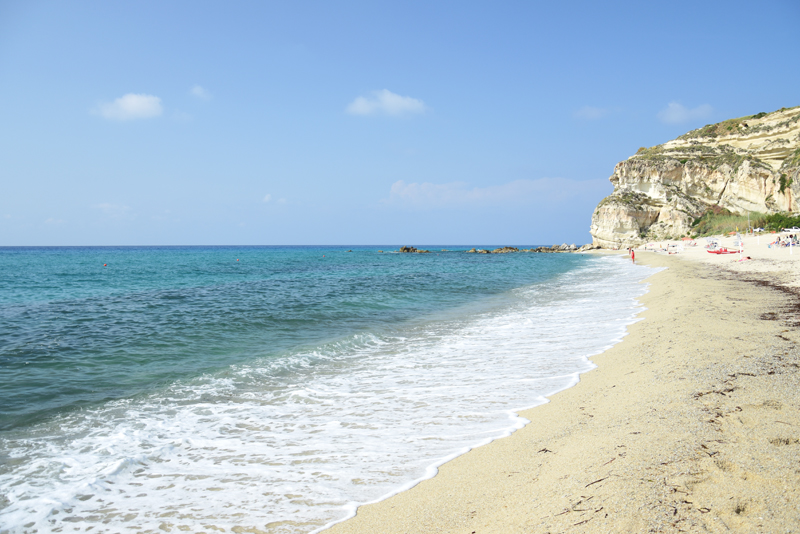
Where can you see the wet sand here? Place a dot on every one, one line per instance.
(691, 423)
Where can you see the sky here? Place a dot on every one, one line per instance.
(358, 123)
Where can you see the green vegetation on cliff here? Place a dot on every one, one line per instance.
(727, 127)
(793, 161)
(632, 199)
(718, 221)
(733, 126)
(779, 221)
(709, 145)
(708, 156)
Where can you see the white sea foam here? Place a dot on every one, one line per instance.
(294, 444)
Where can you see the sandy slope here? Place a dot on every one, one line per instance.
(692, 423)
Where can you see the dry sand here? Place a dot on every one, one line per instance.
(692, 423)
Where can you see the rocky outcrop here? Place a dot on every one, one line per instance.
(502, 250)
(554, 248)
(414, 250)
(750, 164)
(560, 248)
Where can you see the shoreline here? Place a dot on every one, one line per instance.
(667, 433)
(516, 419)
(364, 412)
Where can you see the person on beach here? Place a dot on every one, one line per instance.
(633, 256)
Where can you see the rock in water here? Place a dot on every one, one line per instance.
(741, 165)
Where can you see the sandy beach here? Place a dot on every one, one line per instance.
(691, 423)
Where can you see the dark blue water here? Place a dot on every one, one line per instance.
(83, 325)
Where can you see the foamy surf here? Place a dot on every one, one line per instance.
(297, 443)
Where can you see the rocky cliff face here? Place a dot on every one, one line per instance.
(743, 165)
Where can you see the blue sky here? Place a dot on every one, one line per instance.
(154, 123)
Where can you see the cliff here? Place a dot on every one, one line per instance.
(742, 165)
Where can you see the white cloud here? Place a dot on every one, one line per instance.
(200, 93)
(113, 210)
(590, 113)
(51, 220)
(459, 194)
(385, 102)
(131, 106)
(676, 113)
(267, 198)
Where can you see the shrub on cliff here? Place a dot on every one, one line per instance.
(718, 220)
(721, 221)
(779, 221)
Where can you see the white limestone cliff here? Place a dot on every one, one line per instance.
(750, 164)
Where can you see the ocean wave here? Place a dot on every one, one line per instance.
(294, 443)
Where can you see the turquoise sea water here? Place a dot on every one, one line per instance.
(272, 387)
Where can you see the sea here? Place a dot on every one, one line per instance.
(274, 389)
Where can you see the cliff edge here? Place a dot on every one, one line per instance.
(742, 165)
